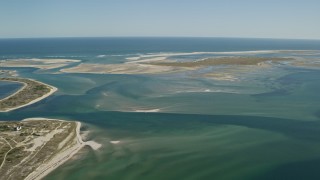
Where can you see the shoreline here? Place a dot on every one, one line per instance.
(61, 157)
(39, 63)
(52, 90)
(22, 88)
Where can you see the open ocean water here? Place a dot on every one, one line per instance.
(264, 126)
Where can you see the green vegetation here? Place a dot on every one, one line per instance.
(221, 61)
(21, 153)
(31, 91)
(4, 128)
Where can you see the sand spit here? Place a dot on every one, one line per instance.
(38, 147)
(125, 68)
(62, 156)
(52, 90)
(44, 64)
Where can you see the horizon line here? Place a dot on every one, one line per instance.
(223, 37)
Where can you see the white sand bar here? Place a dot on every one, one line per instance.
(37, 63)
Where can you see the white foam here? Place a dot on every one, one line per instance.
(198, 53)
(165, 55)
(101, 56)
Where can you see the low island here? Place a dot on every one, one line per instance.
(32, 148)
(31, 92)
(162, 65)
(221, 61)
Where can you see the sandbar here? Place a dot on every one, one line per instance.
(125, 68)
(44, 64)
(161, 65)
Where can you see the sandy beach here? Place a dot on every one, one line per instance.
(61, 157)
(38, 63)
(24, 86)
(125, 68)
(52, 90)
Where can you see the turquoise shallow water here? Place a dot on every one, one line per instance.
(264, 126)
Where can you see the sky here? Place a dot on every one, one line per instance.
(289, 19)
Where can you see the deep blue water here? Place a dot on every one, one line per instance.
(94, 46)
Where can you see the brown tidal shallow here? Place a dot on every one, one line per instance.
(222, 61)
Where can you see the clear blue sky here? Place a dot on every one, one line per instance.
(214, 18)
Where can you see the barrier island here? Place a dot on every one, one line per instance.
(31, 92)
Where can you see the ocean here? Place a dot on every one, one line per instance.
(259, 124)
